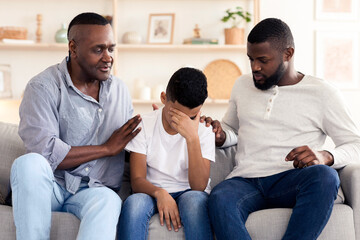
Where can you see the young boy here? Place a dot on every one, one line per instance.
(170, 163)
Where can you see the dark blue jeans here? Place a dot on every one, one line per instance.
(310, 191)
(139, 208)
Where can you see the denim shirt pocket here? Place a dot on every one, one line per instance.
(75, 126)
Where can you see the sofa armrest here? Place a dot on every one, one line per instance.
(350, 183)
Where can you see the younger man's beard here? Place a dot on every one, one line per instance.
(273, 79)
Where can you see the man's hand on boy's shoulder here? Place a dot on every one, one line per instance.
(183, 124)
(220, 135)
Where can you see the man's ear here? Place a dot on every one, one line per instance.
(163, 98)
(72, 48)
(288, 53)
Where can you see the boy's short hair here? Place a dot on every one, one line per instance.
(87, 18)
(188, 86)
(274, 31)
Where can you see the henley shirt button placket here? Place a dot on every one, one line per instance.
(270, 103)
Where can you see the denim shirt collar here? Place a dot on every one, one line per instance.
(104, 85)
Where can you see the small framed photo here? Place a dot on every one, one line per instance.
(336, 9)
(161, 28)
(337, 58)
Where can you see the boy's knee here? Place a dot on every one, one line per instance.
(137, 203)
(194, 198)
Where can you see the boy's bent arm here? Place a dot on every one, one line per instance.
(199, 167)
(138, 168)
(167, 206)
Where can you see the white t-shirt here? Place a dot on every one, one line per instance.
(166, 155)
(267, 125)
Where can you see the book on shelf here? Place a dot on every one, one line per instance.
(201, 41)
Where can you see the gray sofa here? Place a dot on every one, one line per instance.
(267, 224)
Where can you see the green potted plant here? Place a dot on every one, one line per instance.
(235, 34)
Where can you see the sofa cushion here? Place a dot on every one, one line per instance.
(63, 225)
(271, 224)
(11, 147)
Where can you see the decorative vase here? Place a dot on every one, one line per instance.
(131, 38)
(61, 34)
(234, 36)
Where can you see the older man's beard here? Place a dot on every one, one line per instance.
(273, 79)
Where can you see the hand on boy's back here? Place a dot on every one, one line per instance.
(120, 137)
(183, 124)
(168, 210)
(220, 136)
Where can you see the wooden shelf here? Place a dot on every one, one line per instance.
(179, 47)
(207, 101)
(33, 46)
(126, 47)
(140, 101)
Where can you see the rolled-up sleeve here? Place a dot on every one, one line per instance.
(39, 123)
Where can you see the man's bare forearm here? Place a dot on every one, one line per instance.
(83, 154)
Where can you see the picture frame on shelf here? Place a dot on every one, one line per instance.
(161, 28)
(337, 58)
(336, 9)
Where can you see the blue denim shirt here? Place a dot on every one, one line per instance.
(55, 115)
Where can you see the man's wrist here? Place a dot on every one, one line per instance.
(329, 157)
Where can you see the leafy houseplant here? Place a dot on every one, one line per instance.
(235, 34)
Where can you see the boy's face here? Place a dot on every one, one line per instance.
(169, 104)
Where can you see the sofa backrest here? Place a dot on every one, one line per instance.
(11, 147)
(223, 165)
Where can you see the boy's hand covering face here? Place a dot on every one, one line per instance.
(186, 125)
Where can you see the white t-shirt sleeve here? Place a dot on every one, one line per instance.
(138, 144)
(207, 142)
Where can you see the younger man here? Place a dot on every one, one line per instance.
(170, 163)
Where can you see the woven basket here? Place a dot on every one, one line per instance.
(13, 33)
(221, 75)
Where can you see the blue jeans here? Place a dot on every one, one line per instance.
(310, 191)
(139, 208)
(36, 194)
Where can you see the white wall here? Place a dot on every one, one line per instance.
(152, 66)
(300, 16)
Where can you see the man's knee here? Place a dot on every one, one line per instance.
(30, 167)
(324, 180)
(110, 199)
(216, 200)
(325, 175)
